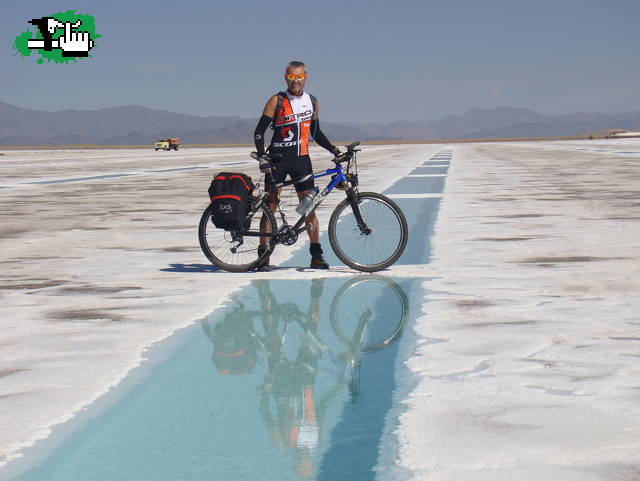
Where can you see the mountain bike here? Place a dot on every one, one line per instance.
(367, 230)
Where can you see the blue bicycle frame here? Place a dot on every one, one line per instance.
(317, 200)
(339, 177)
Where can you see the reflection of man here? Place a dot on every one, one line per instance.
(293, 124)
(288, 405)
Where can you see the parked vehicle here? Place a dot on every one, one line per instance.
(167, 144)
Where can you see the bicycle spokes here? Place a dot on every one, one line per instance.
(368, 234)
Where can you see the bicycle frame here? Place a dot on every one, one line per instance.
(340, 177)
(299, 225)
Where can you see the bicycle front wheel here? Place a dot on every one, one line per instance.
(388, 306)
(382, 242)
(236, 251)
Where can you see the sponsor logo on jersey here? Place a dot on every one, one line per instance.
(284, 119)
(287, 134)
(285, 144)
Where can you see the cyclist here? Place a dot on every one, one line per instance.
(293, 125)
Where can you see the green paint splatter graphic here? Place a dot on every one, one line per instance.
(70, 41)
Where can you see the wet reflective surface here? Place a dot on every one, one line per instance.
(291, 381)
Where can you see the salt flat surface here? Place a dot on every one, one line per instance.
(95, 268)
(529, 337)
(529, 365)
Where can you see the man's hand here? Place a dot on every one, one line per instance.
(72, 43)
(336, 152)
(265, 165)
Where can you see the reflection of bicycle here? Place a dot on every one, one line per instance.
(307, 366)
(392, 303)
(350, 322)
(367, 230)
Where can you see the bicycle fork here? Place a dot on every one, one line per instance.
(352, 195)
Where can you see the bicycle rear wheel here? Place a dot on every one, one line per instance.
(379, 247)
(235, 251)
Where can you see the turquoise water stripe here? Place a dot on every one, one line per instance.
(426, 170)
(355, 440)
(418, 185)
(234, 400)
(418, 250)
(433, 170)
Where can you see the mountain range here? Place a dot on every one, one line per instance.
(136, 125)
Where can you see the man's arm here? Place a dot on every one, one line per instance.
(318, 135)
(263, 123)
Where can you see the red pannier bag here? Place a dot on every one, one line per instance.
(229, 193)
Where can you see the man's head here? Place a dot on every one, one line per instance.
(295, 75)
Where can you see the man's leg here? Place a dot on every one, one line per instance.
(313, 230)
(272, 204)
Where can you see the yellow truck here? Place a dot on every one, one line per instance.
(167, 144)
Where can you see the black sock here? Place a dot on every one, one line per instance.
(315, 249)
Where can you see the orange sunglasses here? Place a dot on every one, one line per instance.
(293, 76)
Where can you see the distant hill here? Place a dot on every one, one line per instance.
(504, 122)
(131, 124)
(136, 125)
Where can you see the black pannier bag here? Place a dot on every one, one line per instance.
(229, 193)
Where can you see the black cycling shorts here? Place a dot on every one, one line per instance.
(296, 167)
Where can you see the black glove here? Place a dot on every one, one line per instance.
(336, 152)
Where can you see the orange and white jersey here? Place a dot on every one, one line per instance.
(292, 125)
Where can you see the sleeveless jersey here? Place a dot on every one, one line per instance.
(292, 125)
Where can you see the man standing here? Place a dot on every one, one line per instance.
(294, 122)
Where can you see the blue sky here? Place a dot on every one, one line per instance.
(368, 61)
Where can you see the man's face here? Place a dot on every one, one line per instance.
(295, 86)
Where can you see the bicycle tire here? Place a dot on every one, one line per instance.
(347, 241)
(343, 309)
(216, 244)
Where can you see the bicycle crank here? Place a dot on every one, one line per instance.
(287, 235)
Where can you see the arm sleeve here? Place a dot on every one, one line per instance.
(319, 136)
(258, 135)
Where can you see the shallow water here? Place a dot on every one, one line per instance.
(291, 381)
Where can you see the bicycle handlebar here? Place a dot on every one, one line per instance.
(348, 155)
